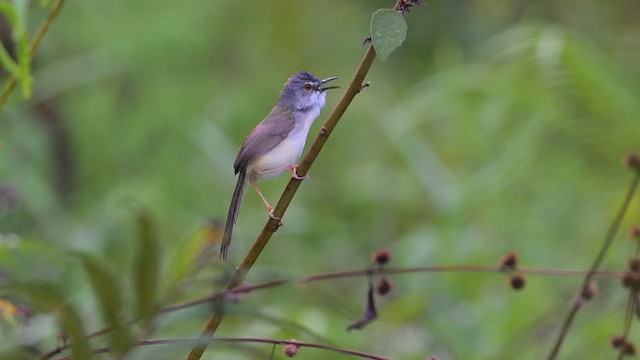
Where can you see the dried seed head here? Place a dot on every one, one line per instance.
(629, 349)
(382, 256)
(405, 5)
(634, 264)
(635, 232)
(590, 291)
(509, 261)
(617, 341)
(630, 279)
(291, 350)
(633, 161)
(384, 286)
(517, 281)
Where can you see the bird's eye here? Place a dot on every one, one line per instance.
(308, 86)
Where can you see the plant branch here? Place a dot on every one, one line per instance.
(355, 86)
(292, 187)
(33, 47)
(242, 289)
(608, 240)
(199, 341)
(67, 345)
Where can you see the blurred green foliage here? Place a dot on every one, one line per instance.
(497, 126)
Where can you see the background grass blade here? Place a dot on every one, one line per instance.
(106, 290)
(146, 268)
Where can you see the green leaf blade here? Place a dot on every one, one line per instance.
(146, 271)
(388, 31)
(16, 14)
(106, 289)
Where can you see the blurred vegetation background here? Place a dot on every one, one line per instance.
(497, 126)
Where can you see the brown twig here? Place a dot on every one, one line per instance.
(243, 289)
(33, 47)
(67, 345)
(608, 240)
(356, 273)
(199, 341)
(355, 86)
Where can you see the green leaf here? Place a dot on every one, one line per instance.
(24, 60)
(146, 268)
(7, 62)
(105, 288)
(388, 31)
(5, 59)
(16, 15)
(49, 298)
(185, 257)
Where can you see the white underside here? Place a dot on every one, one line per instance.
(286, 153)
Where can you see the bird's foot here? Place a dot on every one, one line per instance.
(271, 215)
(294, 173)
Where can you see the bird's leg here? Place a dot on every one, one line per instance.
(254, 183)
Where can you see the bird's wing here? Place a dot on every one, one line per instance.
(266, 136)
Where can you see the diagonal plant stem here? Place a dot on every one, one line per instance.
(33, 47)
(292, 187)
(608, 240)
(354, 88)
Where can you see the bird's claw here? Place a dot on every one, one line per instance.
(271, 215)
(295, 175)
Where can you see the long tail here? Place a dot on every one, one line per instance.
(234, 208)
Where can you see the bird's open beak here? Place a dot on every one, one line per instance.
(326, 81)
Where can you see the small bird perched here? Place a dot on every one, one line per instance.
(275, 145)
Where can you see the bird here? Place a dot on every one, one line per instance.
(276, 143)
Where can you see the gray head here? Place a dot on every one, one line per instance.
(303, 92)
